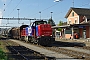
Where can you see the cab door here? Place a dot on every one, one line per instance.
(34, 30)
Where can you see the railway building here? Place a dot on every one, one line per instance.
(78, 22)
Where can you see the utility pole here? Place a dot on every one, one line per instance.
(51, 15)
(18, 15)
(73, 3)
(40, 15)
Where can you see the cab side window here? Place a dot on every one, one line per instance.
(33, 25)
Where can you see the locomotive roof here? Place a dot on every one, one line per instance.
(39, 21)
(23, 26)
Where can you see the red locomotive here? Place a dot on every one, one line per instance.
(39, 32)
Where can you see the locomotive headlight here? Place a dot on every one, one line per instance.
(37, 37)
(50, 35)
(42, 35)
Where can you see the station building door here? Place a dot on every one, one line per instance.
(84, 34)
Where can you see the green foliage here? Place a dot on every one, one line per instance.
(51, 22)
(60, 24)
(2, 55)
(59, 29)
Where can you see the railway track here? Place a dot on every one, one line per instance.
(71, 52)
(18, 52)
(68, 52)
(84, 47)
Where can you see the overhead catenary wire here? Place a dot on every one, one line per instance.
(41, 10)
(79, 6)
(85, 4)
(34, 8)
(7, 6)
(46, 8)
(15, 7)
(49, 7)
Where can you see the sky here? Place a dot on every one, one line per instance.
(31, 9)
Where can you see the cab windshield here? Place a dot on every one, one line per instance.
(41, 22)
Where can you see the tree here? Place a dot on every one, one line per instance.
(60, 24)
(51, 22)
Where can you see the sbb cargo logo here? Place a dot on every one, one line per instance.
(29, 30)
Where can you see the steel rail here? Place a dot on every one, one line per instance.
(18, 52)
(71, 53)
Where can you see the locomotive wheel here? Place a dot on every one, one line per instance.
(30, 39)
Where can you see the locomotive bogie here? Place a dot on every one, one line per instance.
(46, 40)
(43, 40)
(24, 38)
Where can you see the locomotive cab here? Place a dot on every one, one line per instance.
(42, 33)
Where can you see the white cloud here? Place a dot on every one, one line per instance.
(57, 0)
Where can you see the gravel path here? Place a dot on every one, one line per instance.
(77, 49)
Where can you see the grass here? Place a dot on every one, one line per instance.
(2, 55)
(4, 52)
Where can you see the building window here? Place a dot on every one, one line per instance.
(69, 22)
(75, 21)
(72, 13)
